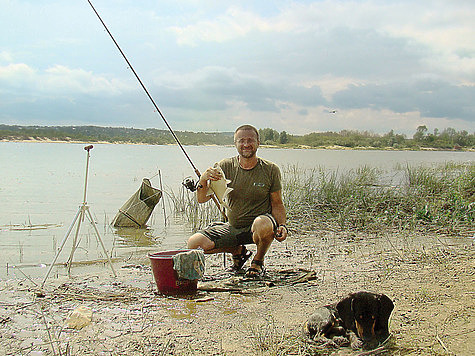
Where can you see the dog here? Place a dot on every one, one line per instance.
(362, 318)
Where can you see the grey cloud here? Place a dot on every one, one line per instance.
(431, 98)
(355, 53)
(219, 86)
(125, 110)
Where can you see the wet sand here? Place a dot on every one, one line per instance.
(429, 278)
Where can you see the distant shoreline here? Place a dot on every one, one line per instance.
(441, 140)
(300, 147)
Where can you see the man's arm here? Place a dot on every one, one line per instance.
(278, 212)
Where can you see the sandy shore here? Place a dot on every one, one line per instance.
(429, 278)
(329, 147)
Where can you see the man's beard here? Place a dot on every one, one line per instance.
(248, 153)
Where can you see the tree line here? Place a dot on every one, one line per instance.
(112, 135)
(448, 138)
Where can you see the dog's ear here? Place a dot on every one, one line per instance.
(345, 311)
(386, 307)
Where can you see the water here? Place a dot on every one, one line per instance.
(42, 187)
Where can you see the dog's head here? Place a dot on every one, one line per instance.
(367, 314)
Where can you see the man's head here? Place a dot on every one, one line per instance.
(246, 139)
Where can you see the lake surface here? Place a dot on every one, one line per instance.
(42, 187)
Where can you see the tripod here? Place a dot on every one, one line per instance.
(82, 212)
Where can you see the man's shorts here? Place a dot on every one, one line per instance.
(225, 235)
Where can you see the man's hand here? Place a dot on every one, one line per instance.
(281, 233)
(210, 174)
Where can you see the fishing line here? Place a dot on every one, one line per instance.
(145, 89)
(154, 104)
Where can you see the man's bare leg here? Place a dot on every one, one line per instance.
(239, 253)
(262, 235)
(201, 241)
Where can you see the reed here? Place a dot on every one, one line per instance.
(443, 195)
(436, 198)
(186, 207)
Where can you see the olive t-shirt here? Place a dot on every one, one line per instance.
(250, 196)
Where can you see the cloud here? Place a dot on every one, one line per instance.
(213, 88)
(432, 98)
(59, 94)
(439, 28)
(6, 56)
(234, 23)
(63, 79)
(16, 74)
(279, 64)
(58, 80)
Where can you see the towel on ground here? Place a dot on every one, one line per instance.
(190, 264)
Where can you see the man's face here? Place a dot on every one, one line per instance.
(246, 143)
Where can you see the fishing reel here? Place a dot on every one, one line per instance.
(190, 184)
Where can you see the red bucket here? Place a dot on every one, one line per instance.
(166, 277)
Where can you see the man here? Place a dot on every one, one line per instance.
(257, 213)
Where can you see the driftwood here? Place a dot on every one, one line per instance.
(244, 285)
(210, 288)
(309, 276)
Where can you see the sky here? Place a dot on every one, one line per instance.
(294, 66)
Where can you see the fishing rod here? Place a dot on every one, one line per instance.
(145, 89)
(154, 104)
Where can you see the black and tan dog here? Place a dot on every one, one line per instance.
(361, 317)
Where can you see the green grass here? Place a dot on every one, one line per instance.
(434, 198)
(444, 195)
(196, 215)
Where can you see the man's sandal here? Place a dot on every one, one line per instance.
(240, 259)
(254, 273)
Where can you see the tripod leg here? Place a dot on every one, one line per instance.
(75, 240)
(60, 248)
(89, 215)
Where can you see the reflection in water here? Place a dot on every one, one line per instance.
(132, 237)
(186, 311)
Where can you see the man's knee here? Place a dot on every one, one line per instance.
(263, 229)
(200, 241)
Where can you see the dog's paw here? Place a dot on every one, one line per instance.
(323, 343)
(320, 340)
(356, 344)
(341, 341)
